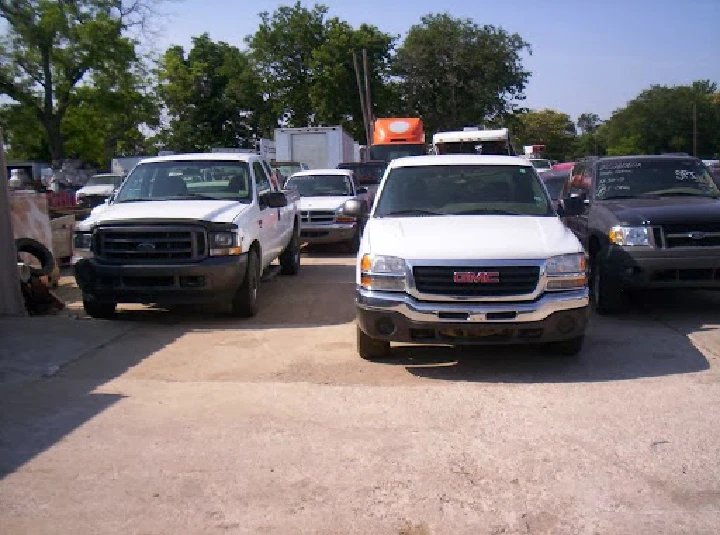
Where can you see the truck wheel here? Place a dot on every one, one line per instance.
(370, 348)
(566, 348)
(290, 257)
(606, 293)
(244, 303)
(98, 309)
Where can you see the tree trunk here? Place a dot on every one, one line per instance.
(55, 139)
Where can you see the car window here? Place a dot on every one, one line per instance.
(263, 181)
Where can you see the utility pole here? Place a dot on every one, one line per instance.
(695, 133)
(368, 105)
(11, 300)
(366, 122)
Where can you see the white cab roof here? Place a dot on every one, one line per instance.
(311, 172)
(204, 156)
(458, 159)
(471, 135)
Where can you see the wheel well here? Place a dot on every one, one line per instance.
(255, 246)
(594, 246)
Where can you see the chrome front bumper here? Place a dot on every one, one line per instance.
(328, 233)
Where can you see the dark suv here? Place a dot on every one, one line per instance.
(646, 222)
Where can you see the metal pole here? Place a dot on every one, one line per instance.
(11, 300)
(362, 99)
(368, 105)
(695, 133)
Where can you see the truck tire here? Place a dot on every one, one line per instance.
(290, 257)
(244, 303)
(605, 291)
(39, 251)
(98, 309)
(566, 348)
(369, 348)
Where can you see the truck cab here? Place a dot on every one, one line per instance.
(468, 249)
(397, 137)
(186, 229)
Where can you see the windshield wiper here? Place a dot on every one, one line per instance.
(412, 211)
(488, 211)
(631, 196)
(671, 193)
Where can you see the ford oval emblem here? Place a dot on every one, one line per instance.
(145, 246)
(697, 235)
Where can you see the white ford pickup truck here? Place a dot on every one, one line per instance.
(187, 229)
(467, 249)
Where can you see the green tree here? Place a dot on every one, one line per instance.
(212, 97)
(546, 127)
(660, 119)
(455, 72)
(588, 123)
(50, 48)
(24, 134)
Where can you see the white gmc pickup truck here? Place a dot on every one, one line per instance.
(186, 229)
(467, 249)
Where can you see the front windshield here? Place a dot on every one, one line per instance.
(320, 185)
(463, 190)
(387, 153)
(627, 178)
(541, 164)
(157, 181)
(104, 181)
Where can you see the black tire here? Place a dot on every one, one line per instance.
(606, 294)
(290, 257)
(98, 309)
(244, 303)
(39, 251)
(566, 348)
(369, 348)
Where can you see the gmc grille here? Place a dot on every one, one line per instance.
(317, 216)
(691, 235)
(137, 245)
(440, 280)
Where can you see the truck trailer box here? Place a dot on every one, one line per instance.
(320, 147)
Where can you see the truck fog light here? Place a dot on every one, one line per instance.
(565, 325)
(385, 326)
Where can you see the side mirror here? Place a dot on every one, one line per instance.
(572, 206)
(354, 208)
(361, 190)
(273, 199)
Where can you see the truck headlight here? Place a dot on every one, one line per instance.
(82, 241)
(341, 217)
(630, 236)
(385, 273)
(566, 272)
(224, 244)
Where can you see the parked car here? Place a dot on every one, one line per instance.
(647, 222)
(97, 189)
(554, 181)
(467, 249)
(168, 237)
(323, 195)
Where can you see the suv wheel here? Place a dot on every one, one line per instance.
(606, 293)
(369, 348)
(244, 303)
(98, 309)
(290, 257)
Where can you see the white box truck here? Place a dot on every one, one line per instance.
(320, 147)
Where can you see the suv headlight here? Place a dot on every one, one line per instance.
(566, 272)
(385, 273)
(224, 244)
(630, 236)
(341, 217)
(82, 241)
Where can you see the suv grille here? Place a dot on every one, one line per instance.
(513, 280)
(692, 235)
(150, 244)
(317, 216)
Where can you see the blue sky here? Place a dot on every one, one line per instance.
(587, 56)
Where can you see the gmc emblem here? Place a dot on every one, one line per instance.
(481, 277)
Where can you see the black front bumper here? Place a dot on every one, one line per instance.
(647, 268)
(209, 281)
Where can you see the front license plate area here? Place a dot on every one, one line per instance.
(475, 333)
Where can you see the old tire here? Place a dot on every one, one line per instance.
(290, 257)
(39, 251)
(244, 303)
(369, 348)
(606, 293)
(98, 309)
(566, 348)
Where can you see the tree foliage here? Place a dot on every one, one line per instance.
(212, 97)
(50, 48)
(454, 72)
(553, 129)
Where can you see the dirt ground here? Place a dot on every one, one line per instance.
(188, 421)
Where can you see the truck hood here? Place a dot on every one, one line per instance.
(192, 210)
(323, 203)
(103, 189)
(470, 237)
(664, 211)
